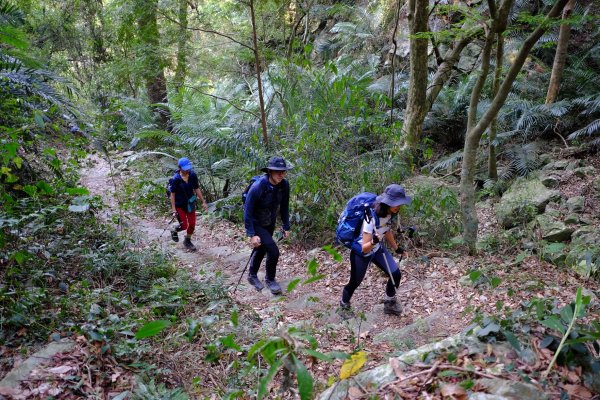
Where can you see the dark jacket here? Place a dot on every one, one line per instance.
(262, 203)
(184, 191)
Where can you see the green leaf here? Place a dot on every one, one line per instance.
(39, 120)
(152, 328)
(21, 256)
(229, 342)
(512, 339)
(474, 275)
(292, 285)
(495, 281)
(235, 317)
(313, 279)
(312, 267)
(554, 248)
(553, 322)
(192, 329)
(44, 187)
(262, 386)
(79, 191)
(566, 313)
(333, 252)
(318, 355)
(305, 380)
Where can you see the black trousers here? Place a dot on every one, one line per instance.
(269, 248)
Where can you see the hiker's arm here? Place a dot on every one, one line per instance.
(249, 205)
(173, 208)
(368, 242)
(285, 209)
(389, 237)
(199, 195)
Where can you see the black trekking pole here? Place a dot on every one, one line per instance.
(164, 230)
(245, 268)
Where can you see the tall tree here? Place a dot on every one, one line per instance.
(257, 64)
(152, 61)
(182, 48)
(560, 57)
(475, 129)
(416, 108)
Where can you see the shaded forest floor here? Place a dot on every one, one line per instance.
(437, 302)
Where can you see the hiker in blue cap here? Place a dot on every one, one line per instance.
(269, 193)
(372, 233)
(185, 192)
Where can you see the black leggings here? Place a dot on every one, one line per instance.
(358, 269)
(269, 248)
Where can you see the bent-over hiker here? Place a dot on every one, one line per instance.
(385, 206)
(185, 192)
(270, 192)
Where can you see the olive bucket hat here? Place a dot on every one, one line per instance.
(393, 196)
(276, 164)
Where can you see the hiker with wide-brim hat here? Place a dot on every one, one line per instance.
(374, 232)
(185, 192)
(267, 194)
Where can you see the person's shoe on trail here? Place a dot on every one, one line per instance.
(174, 235)
(254, 281)
(273, 286)
(391, 306)
(187, 243)
(345, 311)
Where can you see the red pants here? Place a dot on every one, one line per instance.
(187, 219)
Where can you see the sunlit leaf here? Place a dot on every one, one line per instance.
(152, 328)
(353, 365)
(305, 380)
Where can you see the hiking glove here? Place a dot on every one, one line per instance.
(400, 250)
(374, 239)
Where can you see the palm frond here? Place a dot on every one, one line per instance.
(448, 163)
(591, 129)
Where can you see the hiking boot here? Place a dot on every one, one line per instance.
(254, 281)
(175, 235)
(392, 307)
(273, 286)
(189, 246)
(345, 311)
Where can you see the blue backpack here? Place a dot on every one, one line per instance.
(358, 209)
(245, 192)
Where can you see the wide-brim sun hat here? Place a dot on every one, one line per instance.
(276, 164)
(184, 164)
(394, 195)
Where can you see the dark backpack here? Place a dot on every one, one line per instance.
(358, 209)
(169, 187)
(245, 192)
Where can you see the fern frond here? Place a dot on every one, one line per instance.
(448, 163)
(591, 129)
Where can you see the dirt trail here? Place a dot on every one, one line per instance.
(434, 301)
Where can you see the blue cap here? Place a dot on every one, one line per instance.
(184, 164)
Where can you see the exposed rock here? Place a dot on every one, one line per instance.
(584, 171)
(576, 204)
(572, 219)
(13, 378)
(550, 181)
(586, 235)
(556, 165)
(511, 389)
(524, 199)
(553, 230)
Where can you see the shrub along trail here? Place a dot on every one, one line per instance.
(436, 292)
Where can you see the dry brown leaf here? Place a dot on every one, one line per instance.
(396, 367)
(453, 391)
(578, 390)
(354, 392)
(63, 369)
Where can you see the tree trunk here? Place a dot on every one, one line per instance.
(395, 44)
(467, 190)
(560, 57)
(263, 114)
(182, 39)
(445, 69)
(492, 166)
(416, 108)
(153, 69)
